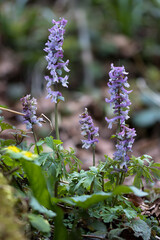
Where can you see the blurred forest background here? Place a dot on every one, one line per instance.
(98, 33)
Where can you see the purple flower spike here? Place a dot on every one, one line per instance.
(88, 130)
(29, 109)
(120, 102)
(119, 95)
(54, 57)
(124, 144)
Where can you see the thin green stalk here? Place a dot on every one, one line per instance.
(56, 121)
(123, 175)
(35, 139)
(56, 189)
(102, 174)
(57, 137)
(91, 188)
(93, 147)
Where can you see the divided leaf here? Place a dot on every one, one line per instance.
(141, 229)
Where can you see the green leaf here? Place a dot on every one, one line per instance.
(38, 222)
(155, 172)
(137, 180)
(51, 179)
(38, 207)
(39, 145)
(114, 234)
(60, 98)
(122, 189)
(6, 143)
(145, 156)
(113, 136)
(43, 157)
(141, 229)
(130, 213)
(49, 142)
(5, 126)
(40, 148)
(85, 201)
(87, 182)
(40, 142)
(98, 226)
(156, 165)
(138, 192)
(57, 142)
(37, 182)
(109, 217)
(60, 231)
(8, 161)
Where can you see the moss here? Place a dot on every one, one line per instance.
(10, 228)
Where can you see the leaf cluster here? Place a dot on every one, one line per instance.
(64, 200)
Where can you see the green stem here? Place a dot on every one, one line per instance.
(56, 121)
(102, 174)
(56, 189)
(122, 178)
(94, 162)
(35, 139)
(91, 188)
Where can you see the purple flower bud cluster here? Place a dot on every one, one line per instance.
(124, 145)
(29, 109)
(120, 101)
(119, 95)
(88, 130)
(55, 60)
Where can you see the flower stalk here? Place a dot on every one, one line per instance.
(56, 65)
(120, 102)
(35, 140)
(29, 115)
(93, 150)
(89, 131)
(56, 121)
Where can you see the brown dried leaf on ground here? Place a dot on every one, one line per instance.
(152, 209)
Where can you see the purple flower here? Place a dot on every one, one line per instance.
(120, 102)
(29, 109)
(125, 140)
(88, 130)
(54, 57)
(119, 95)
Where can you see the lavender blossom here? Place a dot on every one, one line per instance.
(124, 145)
(120, 101)
(29, 109)
(119, 95)
(55, 60)
(88, 130)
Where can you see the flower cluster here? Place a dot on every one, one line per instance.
(29, 109)
(88, 130)
(119, 95)
(55, 60)
(124, 145)
(120, 100)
